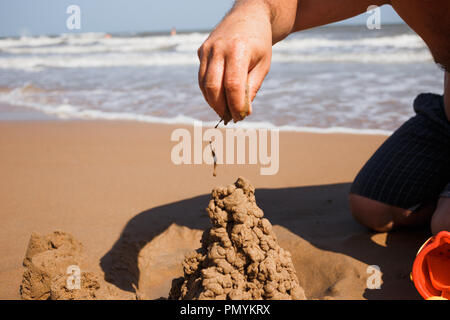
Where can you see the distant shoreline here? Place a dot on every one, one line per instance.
(15, 114)
(183, 31)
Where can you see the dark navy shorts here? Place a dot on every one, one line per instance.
(412, 167)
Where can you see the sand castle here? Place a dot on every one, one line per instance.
(49, 263)
(239, 257)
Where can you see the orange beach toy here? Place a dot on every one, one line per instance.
(431, 268)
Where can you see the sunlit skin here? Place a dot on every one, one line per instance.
(447, 95)
(238, 54)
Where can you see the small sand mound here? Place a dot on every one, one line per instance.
(239, 257)
(55, 269)
(159, 260)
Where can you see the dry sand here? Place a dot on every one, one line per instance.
(113, 187)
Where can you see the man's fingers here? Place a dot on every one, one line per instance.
(203, 58)
(254, 81)
(235, 80)
(210, 76)
(213, 85)
(227, 82)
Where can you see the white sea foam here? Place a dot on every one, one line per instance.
(173, 59)
(94, 50)
(190, 42)
(112, 60)
(326, 81)
(66, 111)
(407, 41)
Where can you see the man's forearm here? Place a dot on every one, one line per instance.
(314, 13)
(447, 94)
(280, 13)
(287, 16)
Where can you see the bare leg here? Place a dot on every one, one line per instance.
(441, 216)
(382, 217)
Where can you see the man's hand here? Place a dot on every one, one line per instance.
(235, 59)
(237, 53)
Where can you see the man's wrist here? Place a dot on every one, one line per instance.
(280, 14)
(266, 5)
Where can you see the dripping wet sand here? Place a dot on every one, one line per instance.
(227, 118)
(112, 186)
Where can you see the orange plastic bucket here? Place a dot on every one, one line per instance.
(431, 268)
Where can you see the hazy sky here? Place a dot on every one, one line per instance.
(39, 17)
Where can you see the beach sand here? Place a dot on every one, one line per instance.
(113, 186)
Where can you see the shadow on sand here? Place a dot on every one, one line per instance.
(309, 212)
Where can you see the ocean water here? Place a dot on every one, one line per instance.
(344, 78)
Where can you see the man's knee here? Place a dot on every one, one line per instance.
(383, 217)
(441, 216)
(371, 213)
